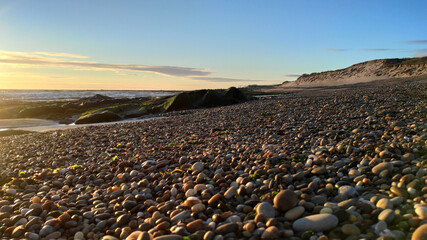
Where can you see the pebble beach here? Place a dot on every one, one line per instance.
(345, 163)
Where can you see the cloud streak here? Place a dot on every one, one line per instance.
(376, 49)
(416, 42)
(53, 54)
(334, 50)
(222, 79)
(20, 58)
(421, 52)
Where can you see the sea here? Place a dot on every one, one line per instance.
(42, 125)
(54, 95)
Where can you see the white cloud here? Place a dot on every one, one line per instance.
(416, 42)
(221, 79)
(22, 58)
(334, 50)
(53, 54)
(421, 52)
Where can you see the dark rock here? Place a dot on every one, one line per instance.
(98, 117)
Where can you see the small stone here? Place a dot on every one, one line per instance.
(4, 203)
(420, 233)
(46, 230)
(54, 235)
(133, 173)
(347, 190)
(421, 212)
(407, 157)
(194, 226)
(36, 199)
(163, 225)
(380, 227)
(266, 209)
(227, 228)
(134, 235)
(382, 166)
(128, 204)
(249, 227)
(109, 237)
(79, 236)
(123, 219)
(215, 198)
(270, 233)
(285, 200)
(384, 203)
(387, 215)
(145, 236)
(18, 231)
(326, 210)
(316, 223)
(200, 207)
(32, 236)
(350, 229)
(65, 217)
(169, 237)
(399, 192)
(319, 171)
(190, 192)
(197, 167)
(231, 192)
(11, 191)
(294, 213)
(88, 215)
(181, 216)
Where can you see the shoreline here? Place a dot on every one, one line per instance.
(57, 126)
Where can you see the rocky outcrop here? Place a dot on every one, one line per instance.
(98, 117)
(202, 98)
(367, 71)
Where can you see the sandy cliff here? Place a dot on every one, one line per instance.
(366, 71)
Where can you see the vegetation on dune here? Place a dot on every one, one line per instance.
(407, 61)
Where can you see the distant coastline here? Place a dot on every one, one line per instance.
(53, 95)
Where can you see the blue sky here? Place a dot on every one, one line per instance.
(197, 44)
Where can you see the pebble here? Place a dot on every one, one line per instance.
(421, 212)
(285, 200)
(78, 235)
(350, 229)
(169, 237)
(266, 209)
(226, 228)
(123, 219)
(420, 233)
(384, 203)
(231, 192)
(317, 223)
(270, 233)
(387, 215)
(348, 191)
(381, 167)
(295, 213)
(195, 225)
(198, 167)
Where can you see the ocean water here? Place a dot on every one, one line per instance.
(50, 95)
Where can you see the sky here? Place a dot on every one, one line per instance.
(185, 45)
